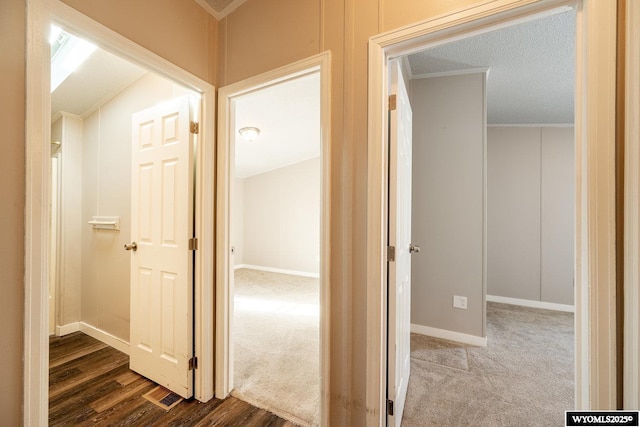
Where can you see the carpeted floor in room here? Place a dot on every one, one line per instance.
(524, 377)
(276, 344)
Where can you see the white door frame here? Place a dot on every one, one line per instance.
(595, 191)
(40, 14)
(54, 254)
(224, 295)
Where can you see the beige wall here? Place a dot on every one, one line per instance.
(558, 215)
(448, 202)
(70, 257)
(513, 212)
(530, 184)
(12, 176)
(282, 218)
(398, 13)
(56, 133)
(177, 30)
(285, 41)
(106, 191)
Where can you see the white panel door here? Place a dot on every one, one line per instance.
(399, 288)
(162, 264)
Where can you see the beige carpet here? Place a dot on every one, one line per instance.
(276, 333)
(524, 377)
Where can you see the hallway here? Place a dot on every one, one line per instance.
(90, 384)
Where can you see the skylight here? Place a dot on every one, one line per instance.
(68, 52)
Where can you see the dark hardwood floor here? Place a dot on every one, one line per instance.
(90, 384)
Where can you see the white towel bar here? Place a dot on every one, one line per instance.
(105, 222)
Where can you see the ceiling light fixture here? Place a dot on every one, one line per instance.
(249, 133)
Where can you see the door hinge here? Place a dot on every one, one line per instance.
(194, 127)
(193, 363)
(391, 253)
(193, 244)
(392, 102)
(390, 407)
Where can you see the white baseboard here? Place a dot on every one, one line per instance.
(449, 335)
(278, 270)
(105, 337)
(67, 329)
(534, 304)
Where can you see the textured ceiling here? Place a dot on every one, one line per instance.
(532, 69)
(288, 116)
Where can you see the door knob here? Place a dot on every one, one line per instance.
(131, 246)
(414, 248)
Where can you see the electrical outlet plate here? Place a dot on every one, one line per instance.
(459, 302)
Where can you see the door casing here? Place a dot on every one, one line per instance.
(40, 15)
(595, 192)
(321, 64)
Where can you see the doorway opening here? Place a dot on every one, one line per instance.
(493, 213)
(273, 198)
(102, 227)
(275, 230)
(437, 32)
(122, 137)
